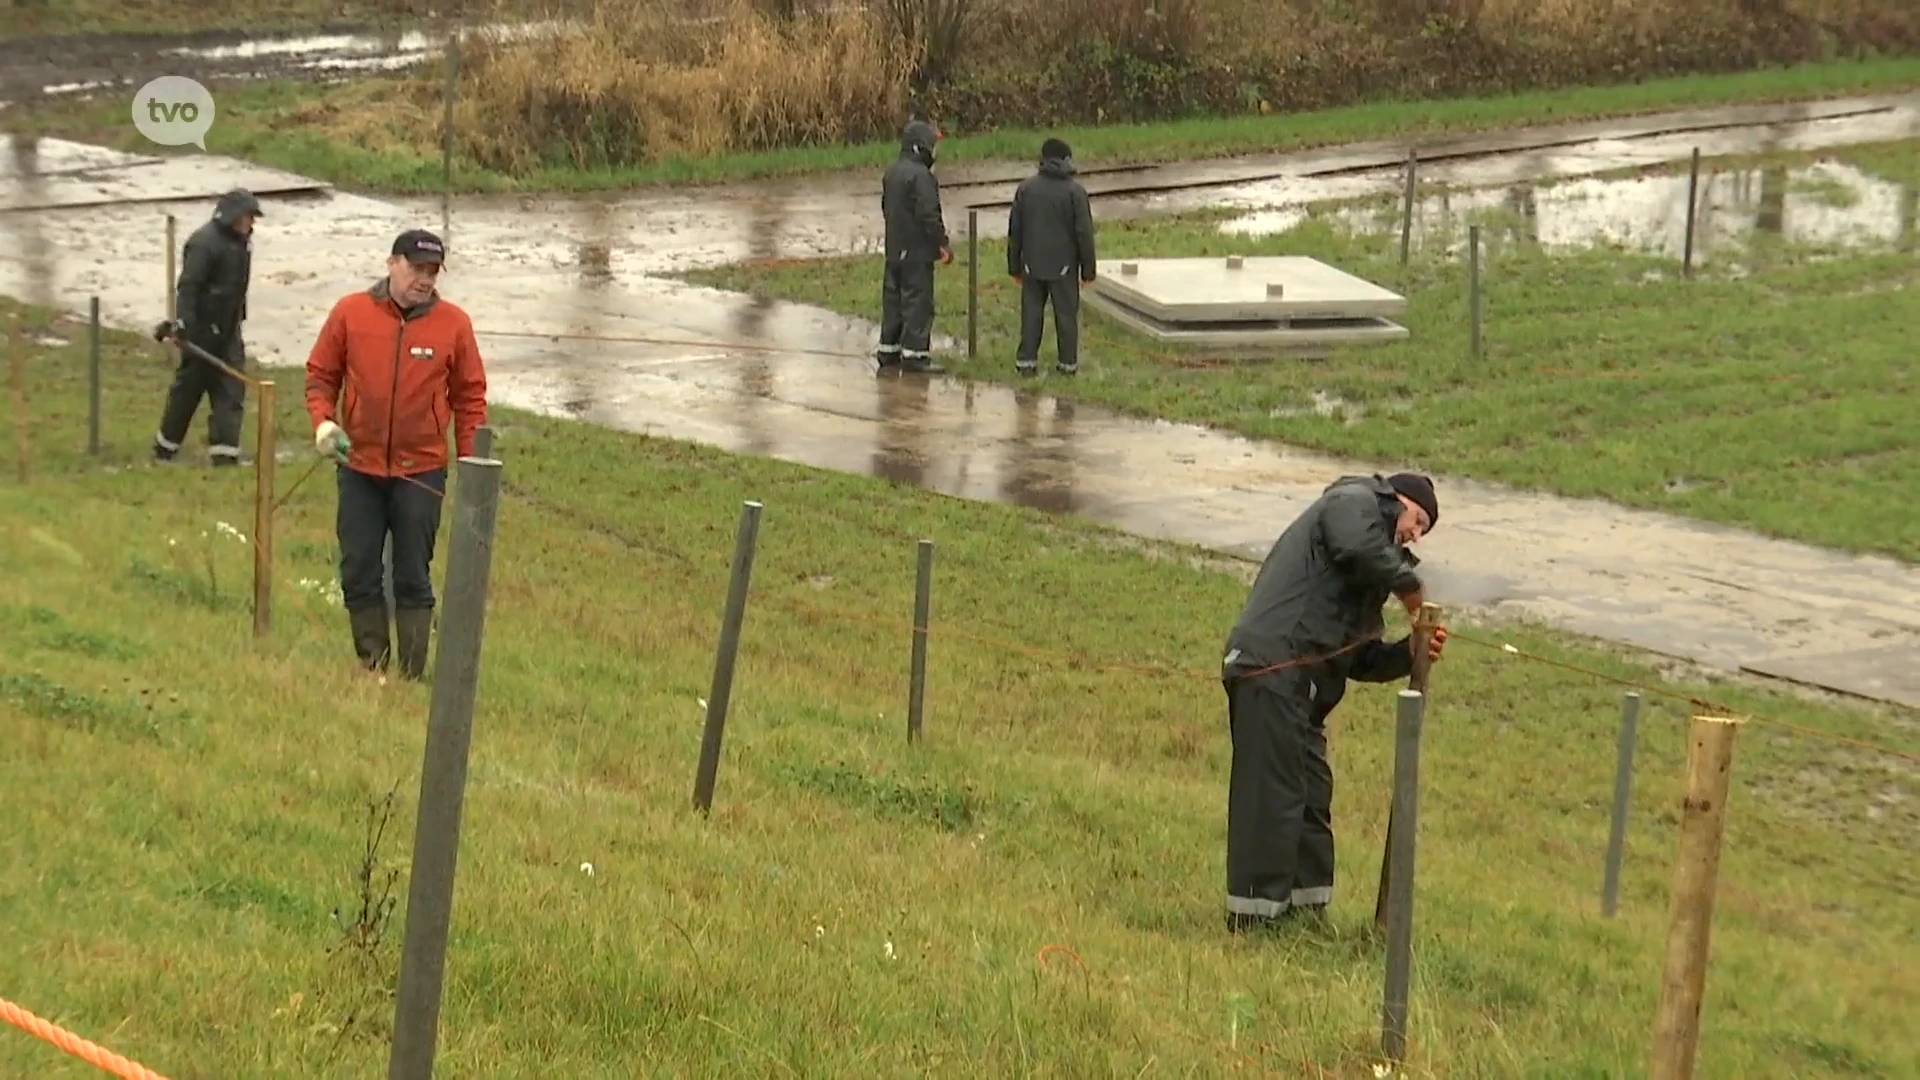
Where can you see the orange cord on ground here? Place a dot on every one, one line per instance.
(74, 1044)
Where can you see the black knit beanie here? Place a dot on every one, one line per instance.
(1419, 489)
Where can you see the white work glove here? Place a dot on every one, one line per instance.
(330, 441)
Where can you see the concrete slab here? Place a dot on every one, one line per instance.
(169, 179)
(1304, 338)
(1887, 673)
(25, 157)
(1235, 289)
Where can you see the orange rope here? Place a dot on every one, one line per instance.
(74, 1044)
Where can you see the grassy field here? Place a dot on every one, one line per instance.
(384, 135)
(1773, 391)
(189, 808)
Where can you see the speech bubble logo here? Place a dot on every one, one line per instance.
(174, 110)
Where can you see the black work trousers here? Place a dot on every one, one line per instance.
(1280, 796)
(906, 310)
(373, 509)
(1064, 294)
(226, 398)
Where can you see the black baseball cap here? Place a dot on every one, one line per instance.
(420, 246)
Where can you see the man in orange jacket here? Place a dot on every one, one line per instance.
(401, 365)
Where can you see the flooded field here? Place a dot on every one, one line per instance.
(578, 316)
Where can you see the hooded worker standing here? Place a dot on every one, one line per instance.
(1050, 254)
(401, 366)
(1311, 622)
(916, 238)
(210, 303)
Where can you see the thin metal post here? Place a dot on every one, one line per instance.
(729, 648)
(922, 603)
(263, 462)
(483, 441)
(17, 362)
(93, 377)
(1473, 286)
(973, 282)
(1425, 622)
(1406, 217)
(1693, 203)
(446, 152)
(1622, 787)
(443, 774)
(172, 296)
(1703, 821)
(1909, 216)
(1406, 806)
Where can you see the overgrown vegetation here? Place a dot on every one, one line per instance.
(1770, 391)
(854, 906)
(638, 84)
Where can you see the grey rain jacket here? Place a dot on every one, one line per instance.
(1322, 586)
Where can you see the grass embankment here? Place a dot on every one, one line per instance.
(1775, 390)
(187, 807)
(384, 134)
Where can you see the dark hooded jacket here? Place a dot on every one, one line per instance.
(910, 199)
(216, 268)
(1050, 227)
(1323, 585)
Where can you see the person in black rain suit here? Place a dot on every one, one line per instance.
(210, 303)
(916, 239)
(1050, 253)
(1312, 622)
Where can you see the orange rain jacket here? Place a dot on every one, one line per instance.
(398, 381)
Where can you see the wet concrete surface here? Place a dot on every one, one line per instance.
(58, 65)
(792, 382)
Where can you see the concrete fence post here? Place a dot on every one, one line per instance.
(922, 605)
(1622, 788)
(443, 775)
(1406, 808)
(721, 692)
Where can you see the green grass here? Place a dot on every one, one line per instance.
(188, 879)
(383, 135)
(1774, 391)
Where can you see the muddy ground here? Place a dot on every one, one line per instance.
(579, 316)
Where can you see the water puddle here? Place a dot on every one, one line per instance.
(1823, 205)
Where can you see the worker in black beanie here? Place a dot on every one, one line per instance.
(1050, 255)
(1312, 622)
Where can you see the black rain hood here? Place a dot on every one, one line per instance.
(233, 204)
(919, 139)
(1056, 159)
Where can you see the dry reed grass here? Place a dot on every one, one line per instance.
(637, 84)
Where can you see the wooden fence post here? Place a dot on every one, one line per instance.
(1703, 821)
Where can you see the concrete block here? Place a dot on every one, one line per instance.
(1237, 289)
(1255, 339)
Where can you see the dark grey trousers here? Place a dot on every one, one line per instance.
(1064, 294)
(374, 508)
(906, 309)
(1280, 797)
(226, 398)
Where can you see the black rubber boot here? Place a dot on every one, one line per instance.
(370, 642)
(920, 365)
(413, 627)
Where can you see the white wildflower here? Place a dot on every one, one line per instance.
(231, 531)
(586, 868)
(889, 948)
(819, 931)
(1511, 649)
